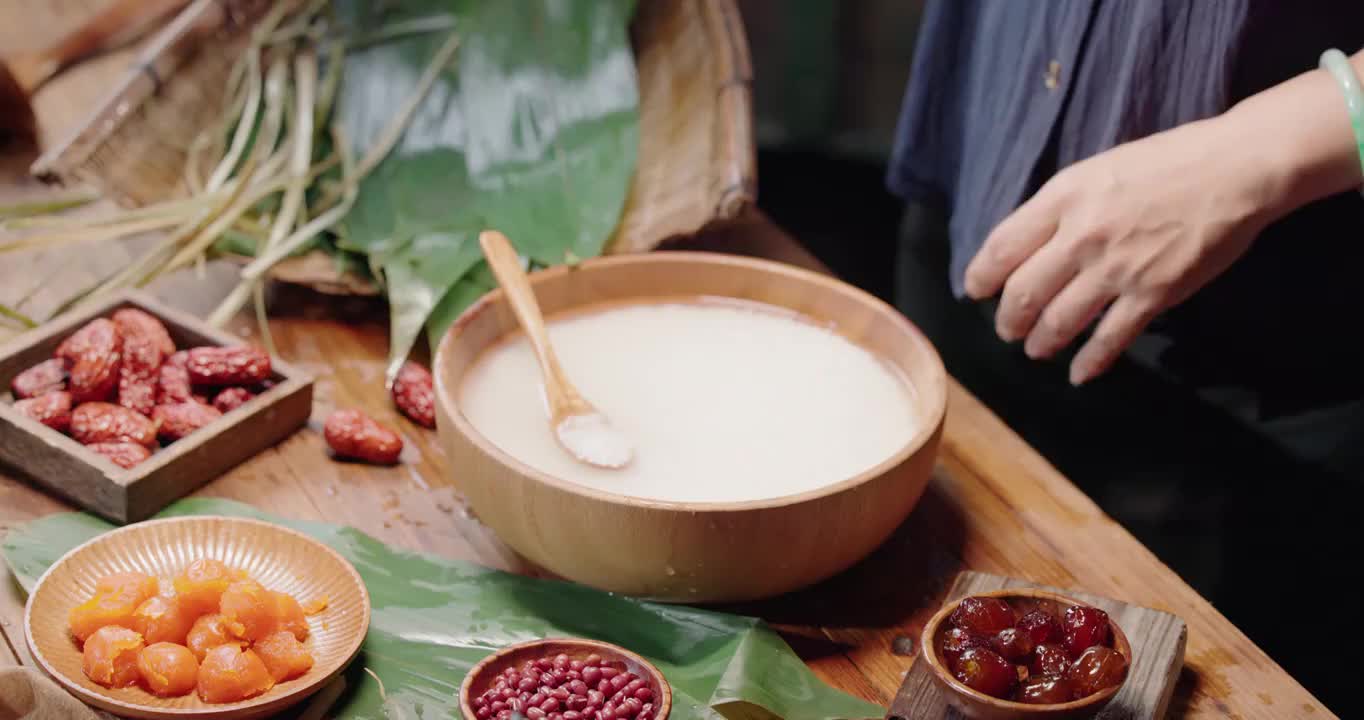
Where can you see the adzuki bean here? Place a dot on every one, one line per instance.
(561, 688)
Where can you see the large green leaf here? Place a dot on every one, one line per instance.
(533, 132)
(435, 618)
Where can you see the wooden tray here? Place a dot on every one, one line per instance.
(1157, 638)
(62, 465)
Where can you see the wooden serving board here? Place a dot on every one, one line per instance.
(65, 467)
(1157, 638)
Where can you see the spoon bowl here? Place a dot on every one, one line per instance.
(579, 428)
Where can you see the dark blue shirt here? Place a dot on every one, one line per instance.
(1004, 92)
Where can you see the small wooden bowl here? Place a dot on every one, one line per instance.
(279, 558)
(980, 706)
(695, 552)
(484, 674)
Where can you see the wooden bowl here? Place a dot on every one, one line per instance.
(679, 551)
(978, 705)
(279, 558)
(484, 674)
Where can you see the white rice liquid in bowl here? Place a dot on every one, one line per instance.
(724, 401)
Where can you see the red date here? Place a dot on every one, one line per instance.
(1049, 660)
(51, 409)
(99, 422)
(124, 455)
(232, 398)
(1098, 668)
(1041, 627)
(984, 616)
(1013, 644)
(232, 365)
(353, 434)
(1047, 690)
(985, 671)
(45, 377)
(94, 354)
(1085, 627)
(178, 420)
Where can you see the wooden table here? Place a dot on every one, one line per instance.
(994, 505)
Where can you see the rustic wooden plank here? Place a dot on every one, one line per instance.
(1157, 638)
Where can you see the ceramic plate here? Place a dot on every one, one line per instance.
(279, 558)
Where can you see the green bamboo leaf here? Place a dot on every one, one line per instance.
(533, 131)
(434, 618)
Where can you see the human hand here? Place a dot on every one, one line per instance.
(1125, 234)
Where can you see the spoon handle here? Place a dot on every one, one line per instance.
(506, 266)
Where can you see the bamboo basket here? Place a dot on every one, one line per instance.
(696, 165)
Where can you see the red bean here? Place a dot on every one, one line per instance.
(548, 680)
(544, 664)
(559, 674)
(576, 702)
(504, 715)
(535, 713)
(529, 669)
(573, 675)
(644, 694)
(525, 685)
(577, 687)
(499, 706)
(596, 697)
(619, 682)
(479, 702)
(508, 672)
(536, 699)
(556, 716)
(604, 686)
(575, 665)
(593, 659)
(561, 661)
(633, 685)
(483, 713)
(591, 675)
(572, 715)
(561, 693)
(634, 706)
(508, 693)
(609, 672)
(550, 704)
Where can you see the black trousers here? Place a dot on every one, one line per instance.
(1254, 515)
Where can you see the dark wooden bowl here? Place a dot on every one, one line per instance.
(484, 674)
(980, 706)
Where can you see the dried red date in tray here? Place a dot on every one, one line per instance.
(91, 479)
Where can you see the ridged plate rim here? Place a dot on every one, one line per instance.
(256, 707)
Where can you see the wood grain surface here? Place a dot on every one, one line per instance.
(994, 505)
(1158, 639)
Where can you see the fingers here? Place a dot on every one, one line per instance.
(1123, 322)
(1032, 288)
(1011, 243)
(1070, 312)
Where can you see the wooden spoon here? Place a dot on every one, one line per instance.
(579, 427)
